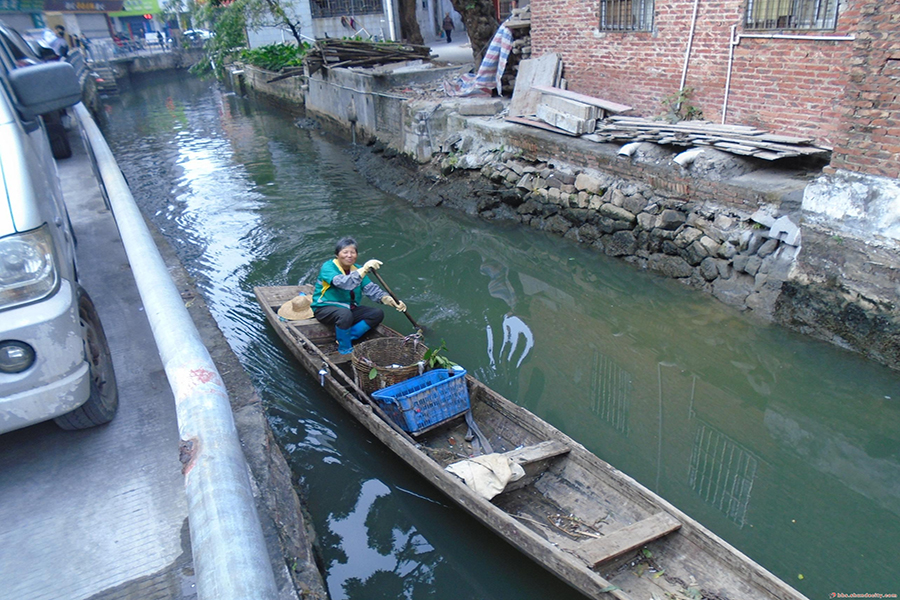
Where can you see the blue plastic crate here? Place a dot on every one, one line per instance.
(425, 400)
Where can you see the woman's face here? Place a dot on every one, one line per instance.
(347, 256)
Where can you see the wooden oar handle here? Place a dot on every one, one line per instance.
(394, 296)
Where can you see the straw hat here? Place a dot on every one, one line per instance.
(296, 309)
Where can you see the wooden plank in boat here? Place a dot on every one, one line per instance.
(534, 460)
(538, 452)
(628, 538)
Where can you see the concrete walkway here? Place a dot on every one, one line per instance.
(102, 513)
(459, 52)
(82, 513)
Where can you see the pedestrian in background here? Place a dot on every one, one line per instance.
(448, 26)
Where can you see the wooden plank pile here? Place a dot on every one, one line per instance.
(737, 139)
(576, 113)
(333, 53)
(545, 70)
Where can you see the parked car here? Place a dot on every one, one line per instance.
(31, 52)
(54, 359)
(196, 37)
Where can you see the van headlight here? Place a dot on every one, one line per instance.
(28, 269)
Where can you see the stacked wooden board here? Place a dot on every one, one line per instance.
(737, 139)
(557, 109)
(353, 53)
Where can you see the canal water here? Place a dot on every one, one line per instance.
(786, 447)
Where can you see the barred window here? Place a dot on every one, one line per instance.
(626, 15)
(345, 8)
(791, 14)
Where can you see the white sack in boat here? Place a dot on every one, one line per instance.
(488, 474)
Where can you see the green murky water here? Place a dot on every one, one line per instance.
(786, 447)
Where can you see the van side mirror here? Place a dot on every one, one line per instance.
(44, 88)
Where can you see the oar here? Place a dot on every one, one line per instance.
(396, 299)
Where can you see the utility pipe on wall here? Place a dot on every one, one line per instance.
(687, 51)
(229, 553)
(737, 37)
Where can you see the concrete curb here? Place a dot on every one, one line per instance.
(290, 539)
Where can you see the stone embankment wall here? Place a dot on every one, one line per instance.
(740, 257)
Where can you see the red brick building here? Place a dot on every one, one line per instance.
(826, 69)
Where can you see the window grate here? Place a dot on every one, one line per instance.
(792, 14)
(722, 473)
(626, 15)
(610, 392)
(344, 8)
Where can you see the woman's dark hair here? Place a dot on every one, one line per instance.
(343, 243)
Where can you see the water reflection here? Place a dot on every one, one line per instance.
(722, 472)
(375, 559)
(787, 448)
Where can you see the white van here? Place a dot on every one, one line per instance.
(54, 360)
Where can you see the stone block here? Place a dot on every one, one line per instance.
(647, 221)
(671, 219)
(634, 204)
(526, 183)
(670, 266)
(668, 247)
(709, 269)
(784, 229)
(724, 222)
(608, 225)
(479, 107)
(724, 267)
(615, 212)
(595, 202)
(733, 291)
(621, 243)
(752, 266)
(557, 224)
(694, 253)
(727, 250)
(588, 183)
(768, 247)
(516, 166)
(710, 245)
(616, 197)
(739, 262)
(589, 233)
(687, 237)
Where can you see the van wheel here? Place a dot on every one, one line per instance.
(59, 141)
(104, 399)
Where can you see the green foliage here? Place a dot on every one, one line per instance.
(678, 107)
(435, 360)
(275, 57)
(229, 24)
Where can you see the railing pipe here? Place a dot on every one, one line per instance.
(229, 552)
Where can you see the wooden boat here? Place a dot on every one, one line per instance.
(591, 525)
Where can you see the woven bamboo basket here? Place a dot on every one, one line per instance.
(394, 359)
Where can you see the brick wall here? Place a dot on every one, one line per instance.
(869, 135)
(793, 87)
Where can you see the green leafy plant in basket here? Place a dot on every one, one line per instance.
(436, 360)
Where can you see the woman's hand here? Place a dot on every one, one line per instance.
(388, 301)
(370, 265)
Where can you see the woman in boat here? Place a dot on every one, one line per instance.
(340, 286)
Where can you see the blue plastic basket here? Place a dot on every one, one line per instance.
(425, 400)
